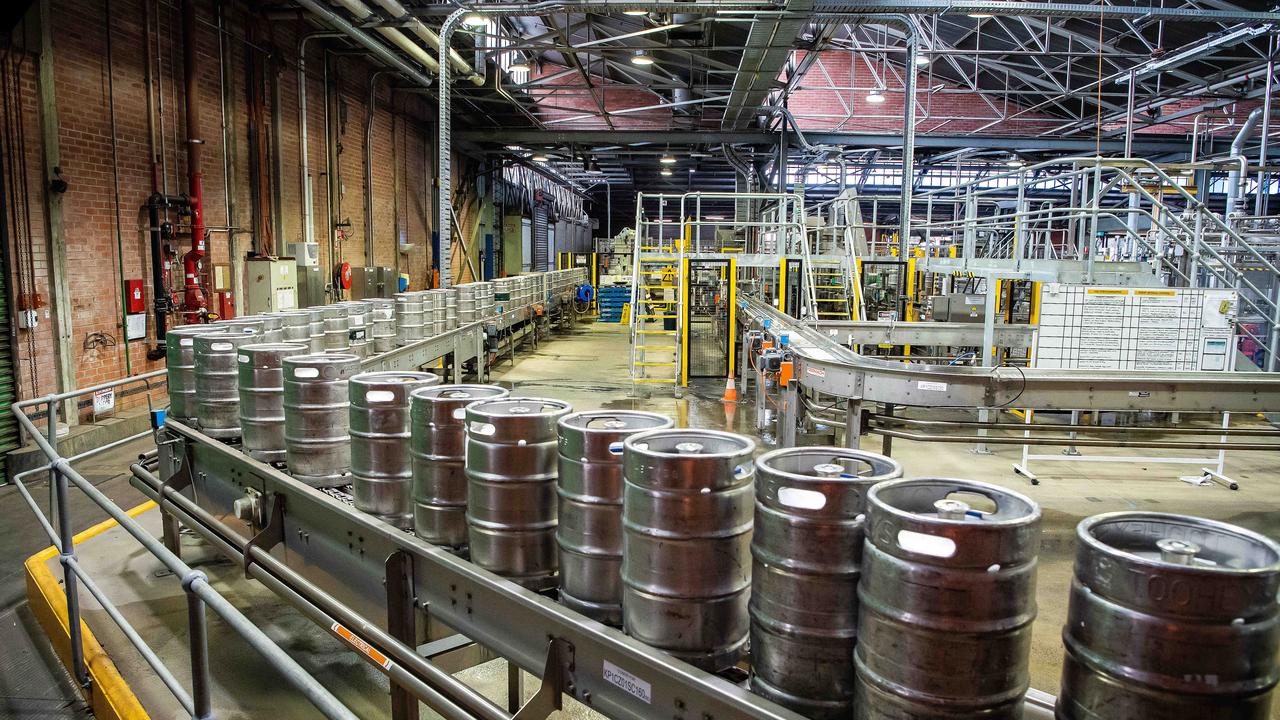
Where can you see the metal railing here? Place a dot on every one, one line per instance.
(201, 596)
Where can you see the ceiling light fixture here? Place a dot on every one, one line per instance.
(519, 66)
(875, 97)
(514, 148)
(666, 159)
(641, 58)
(540, 157)
(475, 20)
(1015, 162)
(666, 172)
(635, 13)
(980, 15)
(922, 59)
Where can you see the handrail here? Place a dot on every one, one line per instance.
(200, 594)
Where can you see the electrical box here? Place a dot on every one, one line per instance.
(388, 282)
(134, 302)
(310, 286)
(364, 283)
(271, 284)
(960, 308)
(307, 254)
(224, 304)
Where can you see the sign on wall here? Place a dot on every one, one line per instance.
(1123, 328)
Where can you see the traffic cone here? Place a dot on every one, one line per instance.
(730, 391)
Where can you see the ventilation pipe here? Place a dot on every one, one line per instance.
(194, 302)
(379, 50)
(1235, 188)
(401, 14)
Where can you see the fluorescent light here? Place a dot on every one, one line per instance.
(875, 97)
(1015, 162)
(475, 20)
(979, 16)
(666, 172)
(539, 157)
(922, 59)
(515, 148)
(635, 13)
(519, 66)
(667, 159)
(641, 58)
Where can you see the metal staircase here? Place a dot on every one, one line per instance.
(657, 313)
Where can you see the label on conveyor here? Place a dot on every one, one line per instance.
(359, 644)
(633, 685)
(930, 385)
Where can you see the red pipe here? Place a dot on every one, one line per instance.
(194, 301)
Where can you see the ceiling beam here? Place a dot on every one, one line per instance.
(1142, 144)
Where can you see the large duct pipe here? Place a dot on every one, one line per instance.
(194, 301)
(393, 35)
(401, 14)
(1235, 188)
(379, 50)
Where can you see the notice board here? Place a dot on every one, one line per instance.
(1121, 328)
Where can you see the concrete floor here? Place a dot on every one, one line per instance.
(589, 370)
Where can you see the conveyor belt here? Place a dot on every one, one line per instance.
(824, 365)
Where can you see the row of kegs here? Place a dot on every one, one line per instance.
(859, 593)
(523, 290)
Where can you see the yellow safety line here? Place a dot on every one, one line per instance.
(108, 694)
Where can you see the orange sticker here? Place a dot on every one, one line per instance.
(358, 643)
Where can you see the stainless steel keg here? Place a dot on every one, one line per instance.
(296, 326)
(337, 327)
(450, 310)
(359, 337)
(318, 447)
(1170, 618)
(511, 487)
(248, 325)
(438, 451)
(217, 393)
(686, 559)
(272, 327)
(946, 601)
(589, 533)
(383, 326)
(806, 550)
(261, 384)
(180, 367)
(381, 474)
(465, 301)
(316, 328)
(409, 313)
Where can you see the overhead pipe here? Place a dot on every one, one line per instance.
(194, 302)
(370, 106)
(1235, 188)
(401, 14)
(1260, 200)
(379, 50)
(304, 167)
(393, 35)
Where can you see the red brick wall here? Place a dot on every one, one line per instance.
(614, 96)
(825, 101)
(80, 30)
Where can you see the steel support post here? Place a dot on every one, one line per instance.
(853, 424)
